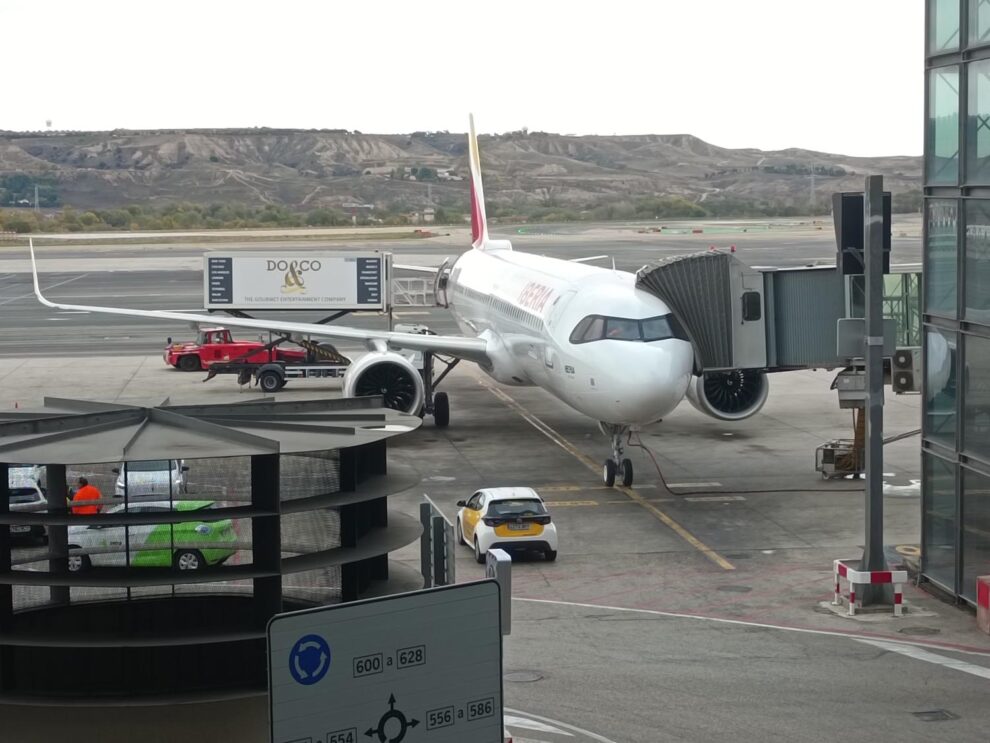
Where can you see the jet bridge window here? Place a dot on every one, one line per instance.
(597, 327)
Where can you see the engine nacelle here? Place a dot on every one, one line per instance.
(390, 375)
(729, 396)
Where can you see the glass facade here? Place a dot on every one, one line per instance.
(977, 267)
(978, 123)
(943, 26)
(942, 151)
(975, 531)
(940, 387)
(940, 522)
(976, 392)
(941, 256)
(979, 20)
(955, 528)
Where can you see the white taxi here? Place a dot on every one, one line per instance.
(513, 519)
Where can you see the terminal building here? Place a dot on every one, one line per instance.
(956, 307)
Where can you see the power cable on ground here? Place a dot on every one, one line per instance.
(682, 491)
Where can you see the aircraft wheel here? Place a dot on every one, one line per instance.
(441, 410)
(608, 472)
(627, 472)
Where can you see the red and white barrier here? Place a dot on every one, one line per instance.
(841, 569)
(983, 603)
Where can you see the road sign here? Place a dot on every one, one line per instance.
(421, 667)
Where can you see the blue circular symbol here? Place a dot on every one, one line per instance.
(309, 660)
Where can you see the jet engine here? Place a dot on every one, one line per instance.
(729, 395)
(390, 375)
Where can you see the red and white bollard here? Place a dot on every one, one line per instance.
(983, 603)
(841, 569)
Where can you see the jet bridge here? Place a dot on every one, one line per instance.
(744, 318)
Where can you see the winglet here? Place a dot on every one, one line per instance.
(34, 270)
(479, 223)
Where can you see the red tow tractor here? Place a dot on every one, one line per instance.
(216, 346)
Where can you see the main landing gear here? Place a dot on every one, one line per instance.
(617, 466)
(436, 404)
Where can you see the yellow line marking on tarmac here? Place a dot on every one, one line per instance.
(567, 446)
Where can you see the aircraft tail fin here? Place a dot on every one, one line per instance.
(479, 222)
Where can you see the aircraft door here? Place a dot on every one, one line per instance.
(558, 307)
(440, 283)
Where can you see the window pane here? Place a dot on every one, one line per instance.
(940, 387)
(941, 257)
(595, 329)
(944, 26)
(978, 124)
(979, 22)
(977, 264)
(975, 531)
(943, 126)
(656, 329)
(623, 330)
(976, 397)
(939, 539)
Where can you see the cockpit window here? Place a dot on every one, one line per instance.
(622, 330)
(590, 328)
(597, 327)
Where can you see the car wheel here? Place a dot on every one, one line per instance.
(189, 362)
(189, 560)
(478, 557)
(78, 563)
(550, 555)
(459, 532)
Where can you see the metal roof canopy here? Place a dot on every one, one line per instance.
(67, 431)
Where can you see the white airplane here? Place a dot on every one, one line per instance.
(585, 334)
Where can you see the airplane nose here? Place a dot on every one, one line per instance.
(652, 385)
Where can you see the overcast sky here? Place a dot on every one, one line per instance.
(738, 73)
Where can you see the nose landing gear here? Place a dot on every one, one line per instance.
(617, 466)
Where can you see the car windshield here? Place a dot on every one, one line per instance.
(516, 507)
(599, 327)
(150, 465)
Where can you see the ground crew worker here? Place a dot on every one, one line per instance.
(86, 492)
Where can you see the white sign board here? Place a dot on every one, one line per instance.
(282, 280)
(422, 667)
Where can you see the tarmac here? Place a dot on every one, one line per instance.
(695, 605)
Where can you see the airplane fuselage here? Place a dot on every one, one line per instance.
(529, 308)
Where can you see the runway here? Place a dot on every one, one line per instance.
(169, 276)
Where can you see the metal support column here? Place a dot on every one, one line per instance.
(873, 556)
(426, 543)
(57, 494)
(266, 536)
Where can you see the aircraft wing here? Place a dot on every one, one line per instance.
(470, 349)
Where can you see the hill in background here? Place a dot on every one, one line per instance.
(527, 174)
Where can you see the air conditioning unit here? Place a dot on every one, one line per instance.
(906, 370)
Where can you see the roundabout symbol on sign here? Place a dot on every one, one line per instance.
(395, 733)
(309, 659)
